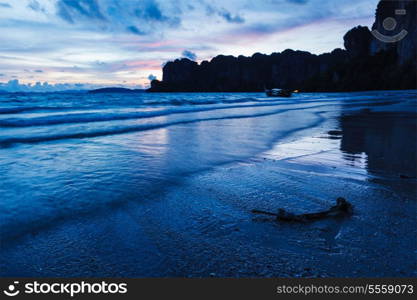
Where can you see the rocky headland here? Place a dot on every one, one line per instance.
(366, 63)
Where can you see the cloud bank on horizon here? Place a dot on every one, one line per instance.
(73, 44)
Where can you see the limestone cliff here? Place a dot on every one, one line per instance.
(367, 63)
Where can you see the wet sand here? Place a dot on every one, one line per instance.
(202, 225)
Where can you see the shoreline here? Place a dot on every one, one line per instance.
(201, 225)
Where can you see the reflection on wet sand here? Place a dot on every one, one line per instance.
(387, 139)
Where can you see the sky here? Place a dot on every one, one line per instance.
(48, 45)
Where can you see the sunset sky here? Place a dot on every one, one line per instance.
(92, 43)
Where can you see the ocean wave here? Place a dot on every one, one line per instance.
(108, 114)
(100, 117)
(100, 101)
(9, 141)
(24, 109)
(15, 110)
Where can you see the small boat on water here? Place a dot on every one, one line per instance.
(278, 93)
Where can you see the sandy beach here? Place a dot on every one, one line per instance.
(174, 199)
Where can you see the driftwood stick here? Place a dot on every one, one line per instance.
(255, 211)
(342, 207)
